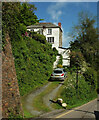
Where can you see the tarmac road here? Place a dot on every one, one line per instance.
(84, 111)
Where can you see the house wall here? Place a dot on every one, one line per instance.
(66, 62)
(65, 55)
(55, 34)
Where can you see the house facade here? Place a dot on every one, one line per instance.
(53, 34)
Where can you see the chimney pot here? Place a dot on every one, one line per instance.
(59, 24)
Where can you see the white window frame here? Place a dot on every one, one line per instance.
(49, 31)
(50, 40)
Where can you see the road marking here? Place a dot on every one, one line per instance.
(74, 109)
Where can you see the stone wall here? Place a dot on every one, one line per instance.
(10, 90)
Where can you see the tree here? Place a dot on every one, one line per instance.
(27, 16)
(85, 38)
(10, 13)
(17, 16)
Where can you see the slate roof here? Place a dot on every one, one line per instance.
(44, 25)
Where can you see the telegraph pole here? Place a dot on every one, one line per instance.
(77, 73)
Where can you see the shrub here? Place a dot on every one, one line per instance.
(72, 96)
(91, 77)
(55, 51)
(33, 62)
(60, 60)
(39, 37)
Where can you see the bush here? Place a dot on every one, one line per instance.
(60, 60)
(72, 96)
(33, 62)
(55, 51)
(91, 77)
(39, 37)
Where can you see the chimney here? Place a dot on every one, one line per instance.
(59, 24)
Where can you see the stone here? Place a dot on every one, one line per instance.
(64, 105)
(60, 100)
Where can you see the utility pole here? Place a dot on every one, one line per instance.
(77, 73)
(77, 78)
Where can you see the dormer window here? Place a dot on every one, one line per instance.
(49, 31)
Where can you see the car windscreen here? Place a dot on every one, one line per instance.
(57, 71)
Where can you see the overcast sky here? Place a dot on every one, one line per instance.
(64, 12)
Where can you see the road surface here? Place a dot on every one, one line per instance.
(84, 111)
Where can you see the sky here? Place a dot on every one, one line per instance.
(64, 12)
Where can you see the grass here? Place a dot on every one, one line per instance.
(79, 103)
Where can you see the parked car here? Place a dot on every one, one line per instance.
(58, 74)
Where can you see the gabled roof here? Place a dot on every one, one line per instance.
(44, 25)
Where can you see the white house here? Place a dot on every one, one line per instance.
(53, 34)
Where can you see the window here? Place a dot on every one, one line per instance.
(32, 30)
(41, 31)
(57, 71)
(50, 31)
(50, 39)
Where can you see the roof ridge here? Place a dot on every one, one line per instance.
(45, 23)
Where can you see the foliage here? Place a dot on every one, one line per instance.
(85, 38)
(15, 17)
(71, 96)
(27, 16)
(59, 66)
(76, 59)
(39, 37)
(55, 50)
(33, 61)
(91, 77)
(34, 57)
(60, 60)
(84, 48)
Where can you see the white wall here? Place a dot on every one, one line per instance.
(65, 55)
(55, 34)
(66, 63)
